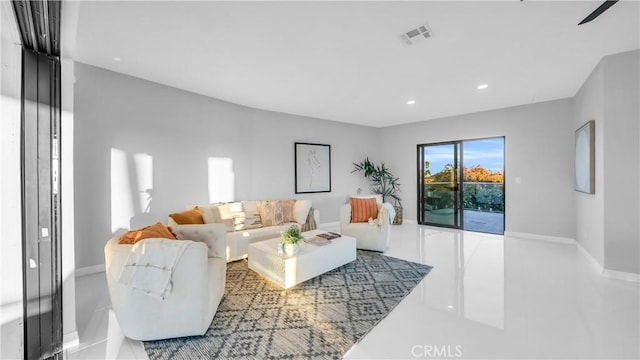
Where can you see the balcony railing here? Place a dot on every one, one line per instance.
(478, 196)
(483, 196)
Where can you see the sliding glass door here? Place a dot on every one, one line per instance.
(483, 185)
(461, 184)
(440, 198)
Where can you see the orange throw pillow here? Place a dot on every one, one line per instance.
(363, 209)
(193, 216)
(157, 230)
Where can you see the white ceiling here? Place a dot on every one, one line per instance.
(344, 61)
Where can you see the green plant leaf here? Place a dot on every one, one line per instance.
(382, 180)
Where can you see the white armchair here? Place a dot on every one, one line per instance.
(369, 236)
(198, 284)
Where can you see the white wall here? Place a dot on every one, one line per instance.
(70, 334)
(606, 222)
(118, 116)
(68, 39)
(622, 120)
(11, 319)
(538, 149)
(132, 121)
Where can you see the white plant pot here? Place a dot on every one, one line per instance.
(290, 249)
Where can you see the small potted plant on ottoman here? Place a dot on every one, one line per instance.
(289, 240)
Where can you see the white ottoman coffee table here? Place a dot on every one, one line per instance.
(310, 261)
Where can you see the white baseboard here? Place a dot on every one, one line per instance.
(593, 261)
(410, 221)
(611, 274)
(608, 273)
(337, 223)
(621, 275)
(84, 271)
(70, 341)
(555, 239)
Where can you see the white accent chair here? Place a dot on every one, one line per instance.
(198, 286)
(369, 236)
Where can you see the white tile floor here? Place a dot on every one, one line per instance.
(488, 296)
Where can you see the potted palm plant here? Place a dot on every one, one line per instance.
(382, 182)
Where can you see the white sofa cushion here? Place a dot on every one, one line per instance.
(228, 210)
(220, 214)
(250, 208)
(248, 218)
(301, 210)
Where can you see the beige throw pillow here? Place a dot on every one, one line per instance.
(270, 212)
(210, 213)
(220, 214)
(287, 210)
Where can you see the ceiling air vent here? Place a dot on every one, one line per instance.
(417, 34)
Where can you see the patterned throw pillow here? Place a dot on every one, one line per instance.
(157, 230)
(270, 212)
(310, 224)
(287, 210)
(192, 216)
(363, 209)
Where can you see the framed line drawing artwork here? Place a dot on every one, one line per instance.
(312, 168)
(585, 156)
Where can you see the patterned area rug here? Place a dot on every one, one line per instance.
(320, 318)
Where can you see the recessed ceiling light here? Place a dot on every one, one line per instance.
(411, 102)
(483, 86)
(117, 59)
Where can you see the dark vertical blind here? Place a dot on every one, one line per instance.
(41, 206)
(39, 26)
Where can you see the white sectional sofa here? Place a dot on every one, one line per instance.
(246, 225)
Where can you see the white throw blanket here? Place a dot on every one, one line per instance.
(390, 210)
(149, 267)
(391, 213)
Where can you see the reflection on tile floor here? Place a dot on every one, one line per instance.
(488, 296)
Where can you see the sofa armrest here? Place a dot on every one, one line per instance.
(214, 235)
(386, 213)
(345, 215)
